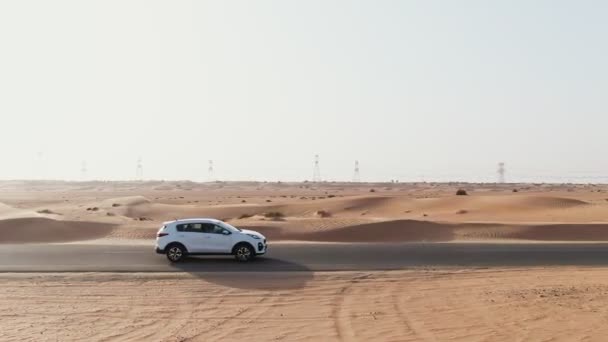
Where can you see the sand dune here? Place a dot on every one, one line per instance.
(39, 229)
(26, 226)
(164, 212)
(389, 231)
(48, 230)
(351, 213)
(9, 212)
(125, 201)
(376, 206)
(495, 205)
(425, 231)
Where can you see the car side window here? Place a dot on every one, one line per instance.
(181, 227)
(208, 228)
(190, 227)
(218, 229)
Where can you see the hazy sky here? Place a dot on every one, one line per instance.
(412, 89)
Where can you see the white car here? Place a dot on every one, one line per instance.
(204, 236)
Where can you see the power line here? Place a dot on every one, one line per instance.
(501, 172)
(139, 171)
(357, 175)
(211, 172)
(316, 176)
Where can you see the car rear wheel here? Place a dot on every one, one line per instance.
(244, 253)
(176, 253)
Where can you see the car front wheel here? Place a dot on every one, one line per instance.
(244, 253)
(176, 253)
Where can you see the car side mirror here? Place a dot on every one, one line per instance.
(225, 232)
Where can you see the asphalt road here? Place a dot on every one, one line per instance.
(300, 257)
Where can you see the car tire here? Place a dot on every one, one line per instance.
(244, 253)
(176, 253)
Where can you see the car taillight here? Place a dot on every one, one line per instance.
(161, 234)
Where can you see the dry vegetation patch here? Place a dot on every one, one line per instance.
(323, 213)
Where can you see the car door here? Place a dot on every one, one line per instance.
(217, 239)
(223, 239)
(194, 237)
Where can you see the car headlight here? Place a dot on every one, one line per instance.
(254, 236)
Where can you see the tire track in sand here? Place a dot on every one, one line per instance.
(341, 310)
(419, 331)
(342, 321)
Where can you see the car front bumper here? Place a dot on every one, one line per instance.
(262, 248)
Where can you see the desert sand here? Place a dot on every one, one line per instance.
(307, 212)
(559, 304)
(451, 304)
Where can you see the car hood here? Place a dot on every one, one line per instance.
(252, 232)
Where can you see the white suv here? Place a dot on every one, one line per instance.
(178, 239)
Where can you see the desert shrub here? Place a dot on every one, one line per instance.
(268, 201)
(244, 216)
(45, 211)
(461, 192)
(372, 190)
(114, 205)
(515, 190)
(274, 214)
(110, 214)
(462, 211)
(331, 196)
(323, 213)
